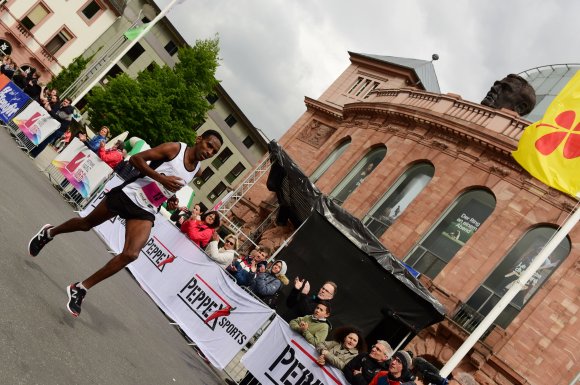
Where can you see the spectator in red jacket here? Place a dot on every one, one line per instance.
(200, 231)
(113, 156)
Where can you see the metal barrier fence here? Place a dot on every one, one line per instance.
(67, 190)
(60, 183)
(21, 140)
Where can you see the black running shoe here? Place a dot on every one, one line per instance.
(39, 240)
(75, 298)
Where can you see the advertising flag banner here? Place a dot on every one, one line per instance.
(550, 148)
(12, 99)
(282, 357)
(36, 123)
(216, 313)
(4, 80)
(82, 167)
(134, 32)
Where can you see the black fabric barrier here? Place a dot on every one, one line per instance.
(374, 287)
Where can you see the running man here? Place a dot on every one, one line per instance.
(172, 166)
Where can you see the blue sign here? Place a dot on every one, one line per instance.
(413, 272)
(12, 99)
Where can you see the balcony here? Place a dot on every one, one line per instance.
(27, 40)
(469, 319)
(449, 106)
(23, 31)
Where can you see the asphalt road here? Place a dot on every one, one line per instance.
(121, 337)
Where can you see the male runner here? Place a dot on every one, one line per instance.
(173, 165)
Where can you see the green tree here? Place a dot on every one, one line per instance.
(162, 104)
(69, 74)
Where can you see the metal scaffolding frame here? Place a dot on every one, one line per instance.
(259, 171)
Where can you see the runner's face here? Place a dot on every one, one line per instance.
(206, 148)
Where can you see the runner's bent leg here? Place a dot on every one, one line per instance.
(99, 215)
(136, 234)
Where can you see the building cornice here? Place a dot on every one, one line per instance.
(313, 104)
(450, 125)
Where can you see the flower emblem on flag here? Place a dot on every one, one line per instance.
(548, 143)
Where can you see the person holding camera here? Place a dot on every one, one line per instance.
(63, 114)
(32, 88)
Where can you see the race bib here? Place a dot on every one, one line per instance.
(154, 193)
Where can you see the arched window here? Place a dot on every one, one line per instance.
(453, 229)
(398, 197)
(359, 172)
(506, 273)
(325, 165)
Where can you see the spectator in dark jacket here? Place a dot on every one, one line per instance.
(8, 66)
(300, 302)
(398, 373)
(243, 268)
(32, 88)
(95, 142)
(269, 282)
(362, 369)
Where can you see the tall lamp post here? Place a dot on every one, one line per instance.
(123, 52)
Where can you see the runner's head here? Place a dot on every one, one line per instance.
(207, 145)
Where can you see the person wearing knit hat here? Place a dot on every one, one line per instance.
(398, 373)
(405, 360)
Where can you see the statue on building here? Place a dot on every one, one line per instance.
(512, 92)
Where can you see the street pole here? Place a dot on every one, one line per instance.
(511, 293)
(131, 44)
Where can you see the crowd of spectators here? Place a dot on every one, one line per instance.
(308, 314)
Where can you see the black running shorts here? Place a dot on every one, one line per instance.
(120, 204)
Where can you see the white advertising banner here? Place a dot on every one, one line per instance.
(36, 123)
(283, 357)
(82, 167)
(217, 314)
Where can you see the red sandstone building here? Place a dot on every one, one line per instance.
(432, 177)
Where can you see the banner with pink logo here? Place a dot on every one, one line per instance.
(36, 123)
(84, 170)
(282, 356)
(216, 313)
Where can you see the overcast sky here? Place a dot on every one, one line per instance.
(276, 52)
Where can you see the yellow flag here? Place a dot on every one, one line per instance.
(550, 148)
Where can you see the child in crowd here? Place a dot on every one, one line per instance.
(313, 327)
